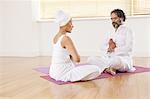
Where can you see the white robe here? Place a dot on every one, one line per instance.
(121, 58)
(63, 68)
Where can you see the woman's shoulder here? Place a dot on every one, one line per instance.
(66, 38)
(66, 41)
(58, 38)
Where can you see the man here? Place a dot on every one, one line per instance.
(117, 47)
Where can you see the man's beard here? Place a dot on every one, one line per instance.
(116, 25)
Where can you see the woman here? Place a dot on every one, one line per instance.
(65, 55)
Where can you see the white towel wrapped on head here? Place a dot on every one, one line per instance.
(62, 18)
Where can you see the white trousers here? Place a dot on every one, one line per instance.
(114, 62)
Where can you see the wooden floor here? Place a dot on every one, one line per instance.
(19, 81)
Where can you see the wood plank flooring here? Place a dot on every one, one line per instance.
(19, 81)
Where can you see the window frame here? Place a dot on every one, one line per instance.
(38, 14)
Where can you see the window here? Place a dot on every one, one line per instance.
(92, 8)
(141, 7)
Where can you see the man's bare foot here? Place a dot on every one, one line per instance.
(110, 71)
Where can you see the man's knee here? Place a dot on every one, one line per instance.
(116, 63)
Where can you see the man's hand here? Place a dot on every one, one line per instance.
(112, 46)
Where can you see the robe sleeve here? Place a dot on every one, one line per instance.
(124, 42)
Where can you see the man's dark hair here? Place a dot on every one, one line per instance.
(119, 13)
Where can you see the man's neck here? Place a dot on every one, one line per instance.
(117, 27)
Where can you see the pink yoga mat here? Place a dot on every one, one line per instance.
(45, 70)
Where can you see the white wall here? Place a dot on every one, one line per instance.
(1, 25)
(18, 37)
(88, 35)
(22, 36)
(141, 28)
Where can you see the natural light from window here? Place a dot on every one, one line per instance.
(93, 8)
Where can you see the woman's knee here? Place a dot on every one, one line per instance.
(91, 76)
(91, 59)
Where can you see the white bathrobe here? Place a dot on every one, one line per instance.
(121, 58)
(64, 69)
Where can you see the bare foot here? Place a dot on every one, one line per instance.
(110, 71)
